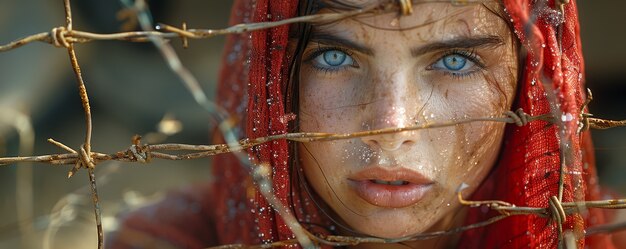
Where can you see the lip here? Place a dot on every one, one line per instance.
(390, 196)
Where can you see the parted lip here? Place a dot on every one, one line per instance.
(394, 174)
(408, 188)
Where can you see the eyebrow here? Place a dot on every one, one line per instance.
(460, 42)
(333, 40)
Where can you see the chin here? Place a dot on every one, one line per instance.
(392, 224)
(390, 231)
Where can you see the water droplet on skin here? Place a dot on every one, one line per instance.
(394, 22)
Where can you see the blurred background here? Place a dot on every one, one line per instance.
(132, 91)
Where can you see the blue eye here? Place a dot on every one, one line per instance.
(333, 59)
(454, 63)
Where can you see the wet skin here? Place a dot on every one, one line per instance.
(440, 64)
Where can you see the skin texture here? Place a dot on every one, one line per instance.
(387, 84)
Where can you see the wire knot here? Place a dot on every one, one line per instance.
(59, 38)
(138, 152)
(519, 117)
(556, 211)
(84, 161)
(85, 158)
(406, 7)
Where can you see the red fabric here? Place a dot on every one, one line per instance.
(264, 115)
(182, 220)
(528, 169)
(231, 181)
(266, 109)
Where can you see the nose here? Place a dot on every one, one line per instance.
(395, 108)
(391, 141)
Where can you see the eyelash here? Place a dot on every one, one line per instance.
(319, 51)
(468, 54)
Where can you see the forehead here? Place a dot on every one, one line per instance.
(430, 17)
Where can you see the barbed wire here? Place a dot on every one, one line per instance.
(144, 153)
(64, 36)
(84, 157)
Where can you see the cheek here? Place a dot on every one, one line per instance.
(323, 164)
(466, 153)
(311, 166)
(480, 147)
(470, 150)
(332, 104)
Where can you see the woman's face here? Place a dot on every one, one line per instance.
(440, 64)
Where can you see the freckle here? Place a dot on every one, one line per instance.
(473, 153)
(365, 35)
(327, 115)
(446, 94)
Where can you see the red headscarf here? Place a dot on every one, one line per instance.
(256, 70)
(528, 170)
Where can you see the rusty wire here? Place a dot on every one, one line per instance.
(84, 157)
(64, 36)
